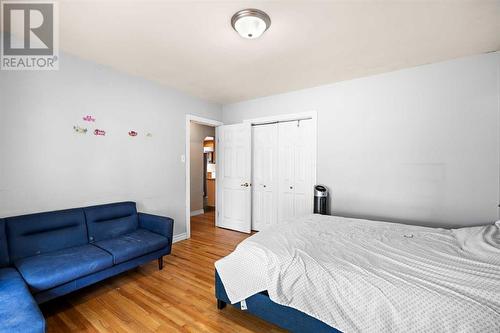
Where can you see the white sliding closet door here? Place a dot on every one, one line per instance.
(286, 152)
(304, 172)
(234, 176)
(264, 183)
(295, 173)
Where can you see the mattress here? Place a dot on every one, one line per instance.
(371, 276)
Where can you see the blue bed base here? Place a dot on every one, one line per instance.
(285, 317)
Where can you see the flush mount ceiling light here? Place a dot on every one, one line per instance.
(250, 23)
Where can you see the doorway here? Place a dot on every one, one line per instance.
(200, 169)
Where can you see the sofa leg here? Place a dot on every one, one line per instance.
(221, 304)
(160, 263)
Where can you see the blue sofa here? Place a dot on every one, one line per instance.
(46, 255)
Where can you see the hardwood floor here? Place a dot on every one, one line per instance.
(180, 298)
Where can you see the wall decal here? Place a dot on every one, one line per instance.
(99, 132)
(80, 130)
(89, 118)
(149, 135)
(132, 133)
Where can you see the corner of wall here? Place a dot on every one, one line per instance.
(498, 99)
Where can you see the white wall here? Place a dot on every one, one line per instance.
(419, 145)
(45, 165)
(198, 133)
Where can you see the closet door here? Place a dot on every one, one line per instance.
(296, 169)
(287, 133)
(304, 169)
(264, 184)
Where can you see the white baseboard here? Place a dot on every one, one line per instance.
(197, 212)
(179, 237)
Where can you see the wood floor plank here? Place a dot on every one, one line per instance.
(180, 298)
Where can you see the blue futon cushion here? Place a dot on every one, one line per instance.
(35, 234)
(19, 312)
(52, 269)
(133, 245)
(111, 220)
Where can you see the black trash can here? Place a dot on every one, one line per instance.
(320, 199)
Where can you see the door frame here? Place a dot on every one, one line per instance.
(313, 115)
(187, 158)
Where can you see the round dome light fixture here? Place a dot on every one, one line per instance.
(250, 23)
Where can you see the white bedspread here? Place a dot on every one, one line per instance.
(369, 276)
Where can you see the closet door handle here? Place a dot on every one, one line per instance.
(291, 187)
(264, 185)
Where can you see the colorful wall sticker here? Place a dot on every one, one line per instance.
(89, 118)
(99, 132)
(80, 130)
(149, 135)
(132, 133)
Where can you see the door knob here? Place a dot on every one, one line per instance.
(291, 187)
(245, 185)
(264, 185)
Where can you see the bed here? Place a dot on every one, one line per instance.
(329, 274)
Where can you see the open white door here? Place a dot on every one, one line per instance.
(234, 194)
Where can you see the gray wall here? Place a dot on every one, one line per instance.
(198, 133)
(45, 165)
(419, 145)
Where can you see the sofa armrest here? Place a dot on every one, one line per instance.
(157, 224)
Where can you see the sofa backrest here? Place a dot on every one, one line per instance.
(30, 235)
(4, 252)
(111, 220)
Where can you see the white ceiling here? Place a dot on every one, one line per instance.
(190, 45)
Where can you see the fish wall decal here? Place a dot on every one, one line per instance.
(89, 118)
(80, 130)
(99, 132)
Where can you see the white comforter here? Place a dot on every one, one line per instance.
(369, 276)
